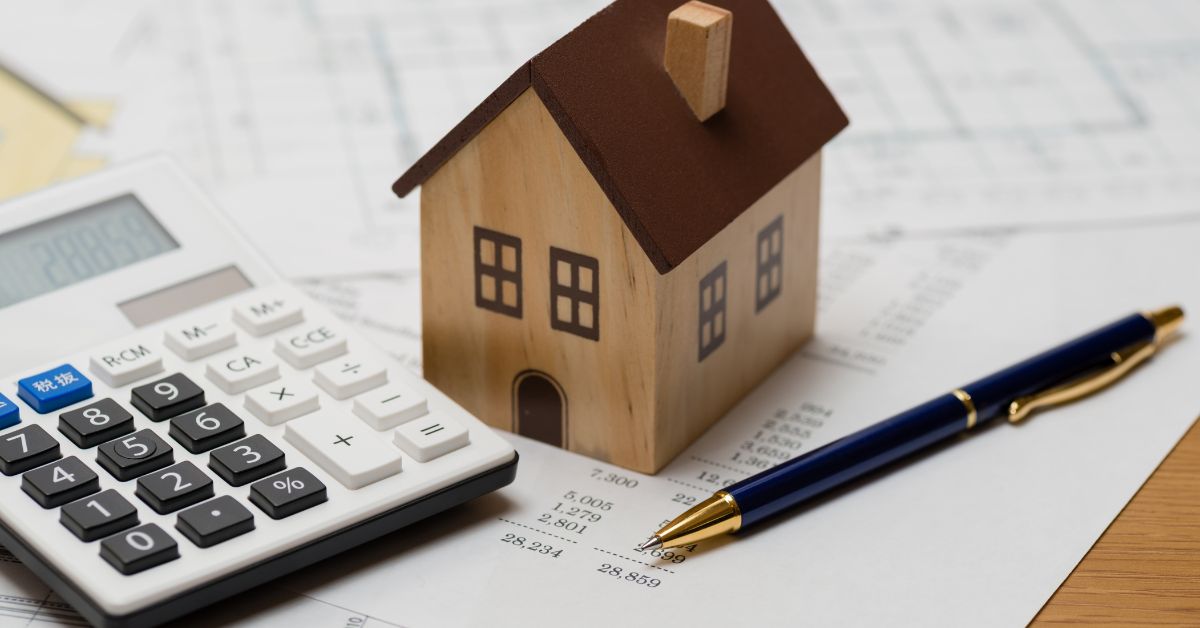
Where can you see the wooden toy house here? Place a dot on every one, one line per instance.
(621, 241)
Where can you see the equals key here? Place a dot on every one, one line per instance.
(350, 376)
(431, 437)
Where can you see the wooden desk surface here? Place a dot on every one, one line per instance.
(1145, 569)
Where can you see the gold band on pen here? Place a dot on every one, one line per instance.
(965, 398)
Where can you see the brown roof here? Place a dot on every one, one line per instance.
(674, 181)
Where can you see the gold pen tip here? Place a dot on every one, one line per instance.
(652, 543)
(1165, 320)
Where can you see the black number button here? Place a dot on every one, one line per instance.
(137, 454)
(246, 460)
(177, 486)
(98, 516)
(215, 522)
(139, 549)
(211, 426)
(95, 423)
(60, 482)
(287, 493)
(170, 396)
(26, 448)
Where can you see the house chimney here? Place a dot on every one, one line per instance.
(697, 55)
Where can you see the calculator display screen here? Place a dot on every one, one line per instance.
(78, 245)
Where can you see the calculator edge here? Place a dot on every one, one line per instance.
(262, 572)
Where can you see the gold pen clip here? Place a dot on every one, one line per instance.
(1123, 362)
(1165, 321)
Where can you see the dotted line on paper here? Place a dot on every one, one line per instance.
(718, 464)
(633, 560)
(538, 531)
(698, 488)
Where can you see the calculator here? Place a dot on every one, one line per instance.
(179, 424)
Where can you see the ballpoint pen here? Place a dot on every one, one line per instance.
(1067, 372)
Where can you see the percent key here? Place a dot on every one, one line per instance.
(287, 493)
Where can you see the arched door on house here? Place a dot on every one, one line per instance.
(539, 408)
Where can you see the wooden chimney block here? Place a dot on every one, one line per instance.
(697, 55)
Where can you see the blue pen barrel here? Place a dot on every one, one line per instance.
(993, 393)
(822, 469)
(811, 474)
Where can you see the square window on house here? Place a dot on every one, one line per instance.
(769, 274)
(712, 311)
(574, 293)
(497, 272)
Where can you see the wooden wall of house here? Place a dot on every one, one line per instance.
(694, 393)
(520, 176)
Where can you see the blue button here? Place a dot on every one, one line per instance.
(10, 414)
(57, 388)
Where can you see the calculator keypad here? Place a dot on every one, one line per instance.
(99, 516)
(207, 428)
(177, 486)
(26, 448)
(246, 460)
(203, 378)
(170, 396)
(285, 494)
(60, 482)
(215, 521)
(139, 549)
(135, 455)
(95, 423)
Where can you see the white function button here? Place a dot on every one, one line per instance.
(268, 314)
(310, 346)
(282, 401)
(192, 342)
(345, 448)
(239, 372)
(387, 407)
(431, 437)
(350, 376)
(126, 362)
